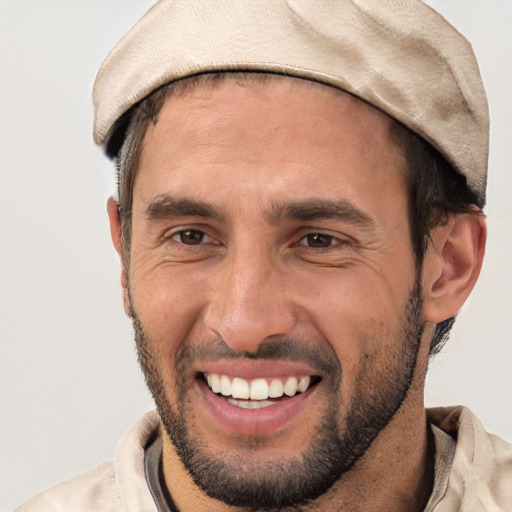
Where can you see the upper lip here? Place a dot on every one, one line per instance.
(250, 369)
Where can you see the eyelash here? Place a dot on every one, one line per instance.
(322, 238)
(181, 232)
(331, 240)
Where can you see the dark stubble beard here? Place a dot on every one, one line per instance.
(243, 480)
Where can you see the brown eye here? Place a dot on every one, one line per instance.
(189, 237)
(318, 240)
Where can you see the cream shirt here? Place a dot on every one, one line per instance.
(473, 471)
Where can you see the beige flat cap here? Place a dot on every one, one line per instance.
(398, 55)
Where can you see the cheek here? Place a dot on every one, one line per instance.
(342, 303)
(168, 303)
(360, 319)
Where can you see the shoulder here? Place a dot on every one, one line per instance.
(115, 485)
(481, 472)
(94, 490)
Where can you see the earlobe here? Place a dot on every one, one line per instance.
(116, 235)
(452, 264)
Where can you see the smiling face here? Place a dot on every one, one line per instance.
(273, 284)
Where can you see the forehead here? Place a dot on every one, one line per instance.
(266, 129)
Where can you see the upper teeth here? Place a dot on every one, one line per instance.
(257, 389)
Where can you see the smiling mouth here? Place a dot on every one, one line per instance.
(260, 392)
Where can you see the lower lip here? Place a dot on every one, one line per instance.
(254, 421)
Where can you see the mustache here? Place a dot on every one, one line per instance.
(275, 348)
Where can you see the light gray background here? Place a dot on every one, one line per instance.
(69, 381)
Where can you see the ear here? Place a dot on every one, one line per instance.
(115, 233)
(452, 264)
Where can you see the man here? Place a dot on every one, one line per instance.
(299, 220)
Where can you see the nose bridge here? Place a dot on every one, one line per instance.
(249, 300)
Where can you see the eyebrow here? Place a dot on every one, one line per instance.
(318, 209)
(165, 206)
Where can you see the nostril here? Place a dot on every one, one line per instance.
(244, 319)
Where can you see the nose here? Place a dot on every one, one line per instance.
(250, 301)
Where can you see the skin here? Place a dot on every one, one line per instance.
(244, 150)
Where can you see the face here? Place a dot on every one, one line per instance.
(272, 285)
